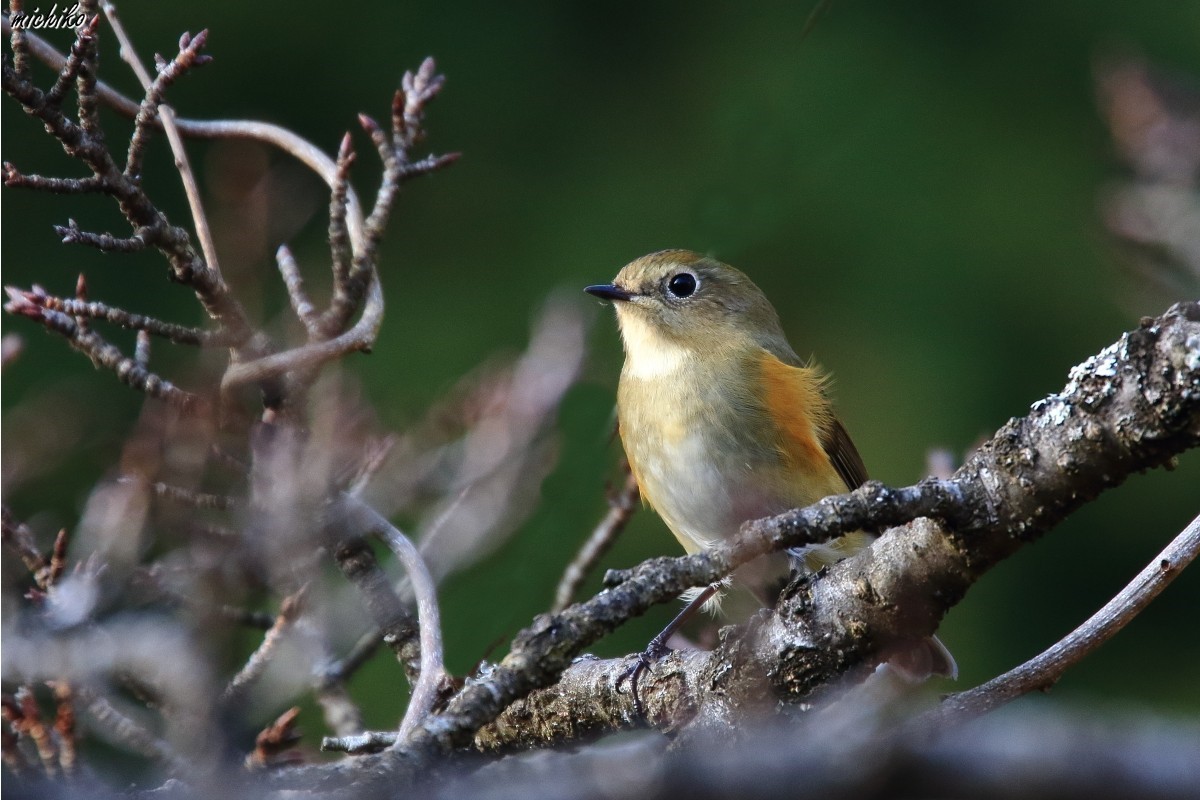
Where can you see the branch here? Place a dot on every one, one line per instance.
(106, 355)
(621, 506)
(84, 141)
(425, 691)
(179, 334)
(1044, 670)
(1130, 408)
(189, 57)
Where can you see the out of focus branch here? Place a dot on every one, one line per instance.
(621, 505)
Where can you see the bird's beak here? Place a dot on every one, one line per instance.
(609, 291)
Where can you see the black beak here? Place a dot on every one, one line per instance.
(609, 291)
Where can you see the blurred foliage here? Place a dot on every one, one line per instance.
(914, 185)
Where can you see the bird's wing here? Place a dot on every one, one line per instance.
(844, 455)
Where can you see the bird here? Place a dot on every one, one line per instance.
(722, 422)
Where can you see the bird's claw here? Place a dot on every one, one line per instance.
(645, 660)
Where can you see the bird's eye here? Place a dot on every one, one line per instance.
(682, 285)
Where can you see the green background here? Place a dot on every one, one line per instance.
(915, 186)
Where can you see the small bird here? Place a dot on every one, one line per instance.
(722, 423)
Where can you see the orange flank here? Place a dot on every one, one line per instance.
(797, 406)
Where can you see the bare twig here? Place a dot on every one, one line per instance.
(16, 179)
(340, 247)
(58, 558)
(130, 734)
(299, 148)
(254, 667)
(82, 50)
(71, 233)
(106, 355)
(276, 739)
(179, 334)
(341, 714)
(64, 726)
(189, 56)
(366, 742)
(19, 537)
(1045, 669)
(192, 498)
(84, 141)
(18, 40)
(621, 506)
(305, 311)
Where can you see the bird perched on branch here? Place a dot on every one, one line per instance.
(722, 423)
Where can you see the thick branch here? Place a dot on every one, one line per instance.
(1131, 407)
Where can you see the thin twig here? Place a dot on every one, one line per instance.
(167, 116)
(340, 248)
(107, 355)
(14, 178)
(19, 40)
(179, 334)
(31, 724)
(621, 506)
(305, 311)
(130, 734)
(257, 663)
(366, 742)
(19, 537)
(192, 498)
(86, 143)
(88, 104)
(64, 726)
(1044, 670)
(81, 50)
(299, 148)
(276, 739)
(71, 233)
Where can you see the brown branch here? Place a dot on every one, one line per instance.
(64, 726)
(21, 711)
(82, 50)
(71, 233)
(106, 355)
(275, 740)
(179, 334)
(621, 506)
(84, 142)
(1132, 407)
(18, 40)
(16, 179)
(188, 58)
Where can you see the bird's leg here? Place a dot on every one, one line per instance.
(657, 648)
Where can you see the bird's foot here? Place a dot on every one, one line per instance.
(645, 660)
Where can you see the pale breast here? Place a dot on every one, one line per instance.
(698, 457)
